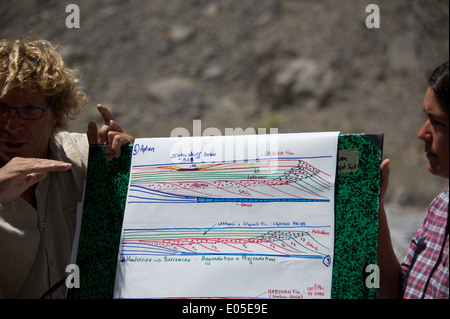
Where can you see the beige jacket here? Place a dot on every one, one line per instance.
(36, 245)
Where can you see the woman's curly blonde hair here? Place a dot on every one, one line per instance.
(25, 64)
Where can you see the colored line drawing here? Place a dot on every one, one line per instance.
(254, 181)
(232, 223)
(290, 242)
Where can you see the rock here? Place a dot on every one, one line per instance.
(291, 79)
(175, 95)
(179, 33)
(403, 53)
(300, 75)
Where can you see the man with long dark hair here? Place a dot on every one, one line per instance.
(424, 273)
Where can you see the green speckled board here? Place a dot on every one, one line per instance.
(104, 204)
(356, 214)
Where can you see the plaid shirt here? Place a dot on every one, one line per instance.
(425, 268)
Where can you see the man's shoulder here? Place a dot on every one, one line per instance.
(437, 213)
(73, 144)
(441, 201)
(64, 136)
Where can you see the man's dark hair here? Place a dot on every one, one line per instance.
(438, 81)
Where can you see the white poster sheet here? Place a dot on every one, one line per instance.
(249, 216)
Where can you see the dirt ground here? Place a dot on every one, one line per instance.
(404, 221)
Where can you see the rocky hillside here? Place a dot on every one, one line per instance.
(296, 65)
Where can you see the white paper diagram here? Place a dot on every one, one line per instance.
(229, 217)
